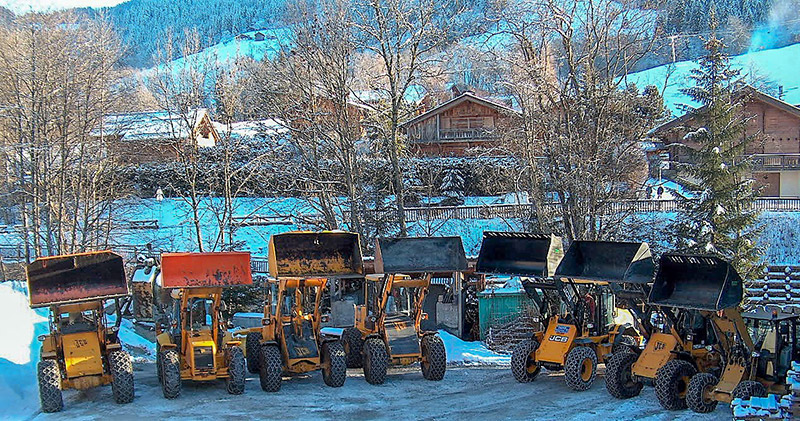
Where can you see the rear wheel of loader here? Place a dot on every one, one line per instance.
(121, 376)
(580, 369)
(171, 374)
(672, 384)
(434, 358)
(523, 361)
(749, 388)
(253, 347)
(620, 381)
(353, 346)
(376, 361)
(237, 371)
(50, 386)
(270, 368)
(625, 343)
(698, 397)
(334, 371)
(158, 364)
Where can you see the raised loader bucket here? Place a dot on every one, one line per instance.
(197, 270)
(420, 255)
(607, 261)
(314, 254)
(76, 277)
(519, 253)
(696, 282)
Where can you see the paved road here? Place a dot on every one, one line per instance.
(485, 393)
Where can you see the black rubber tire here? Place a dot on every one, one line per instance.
(696, 394)
(237, 371)
(252, 343)
(334, 373)
(270, 368)
(49, 376)
(158, 364)
(171, 371)
(353, 346)
(434, 358)
(376, 361)
(575, 368)
(672, 385)
(620, 381)
(121, 376)
(522, 360)
(625, 343)
(747, 389)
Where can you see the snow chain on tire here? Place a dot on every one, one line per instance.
(353, 347)
(434, 358)
(523, 363)
(699, 388)
(620, 381)
(158, 364)
(672, 384)
(271, 368)
(121, 376)
(237, 371)
(171, 372)
(580, 369)
(253, 347)
(334, 373)
(747, 389)
(49, 376)
(376, 361)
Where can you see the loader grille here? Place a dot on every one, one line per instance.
(204, 358)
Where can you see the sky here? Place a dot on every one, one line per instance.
(22, 6)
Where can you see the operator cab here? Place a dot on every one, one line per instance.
(775, 337)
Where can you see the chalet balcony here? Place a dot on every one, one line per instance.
(458, 135)
(775, 162)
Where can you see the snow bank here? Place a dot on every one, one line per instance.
(470, 353)
(140, 349)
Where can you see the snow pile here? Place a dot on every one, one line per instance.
(140, 349)
(771, 407)
(470, 353)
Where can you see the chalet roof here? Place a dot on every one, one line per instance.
(466, 96)
(747, 90)
(254, 128)
(150, 125)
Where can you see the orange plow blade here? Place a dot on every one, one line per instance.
(195, 270)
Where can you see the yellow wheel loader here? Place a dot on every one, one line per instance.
(81, 351)
(290, 340)
(387, 327)
(577, 340)
(192, 339)
(688, 291)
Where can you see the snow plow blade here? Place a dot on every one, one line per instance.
(420, 255)
(310, 254)
(519, 253)
(607, 261)
(76, 277)
(198, 270)
(696, 282)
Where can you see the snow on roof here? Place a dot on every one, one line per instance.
(466, 96)
(254, 128)
(149, 125)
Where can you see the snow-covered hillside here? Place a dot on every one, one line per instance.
(768, 70)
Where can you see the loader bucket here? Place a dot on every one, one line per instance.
(76, 277)
(607, 261)
(519, 253)
(696, 282)
(310, 254)
(197, 270)
(420, 255)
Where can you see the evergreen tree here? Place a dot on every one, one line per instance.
(718, 217)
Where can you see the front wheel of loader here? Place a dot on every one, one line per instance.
(620, 381)
(237, 370)
(698, 396)
(580, 369)
(376, 361)
(748, 389)
(170, 374)
(434, 358)
(253, 347)
(50, 386)
(121, 376)
(672, 384)
(353, 346)
(158, 364)
(334, 370)
(271, 368)
(523, 361)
